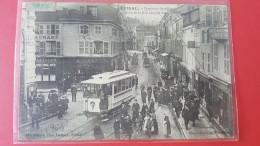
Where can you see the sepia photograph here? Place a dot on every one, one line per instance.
(115, 71)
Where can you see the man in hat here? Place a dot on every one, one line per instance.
(129, 126)
(149, 92)
(35, 111)
(117, 126)
(135, 109)
(149, 125)
(143, 96)
(155, 92)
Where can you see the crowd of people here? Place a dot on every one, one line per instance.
(54, 104)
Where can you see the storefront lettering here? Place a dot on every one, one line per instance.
(46, 37)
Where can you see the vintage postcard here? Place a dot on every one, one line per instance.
(98, 71)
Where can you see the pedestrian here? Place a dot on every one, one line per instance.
(149, 93)
(186, 116)
(64, 104)
(124, 109)
(35, 111)
(155, 92)
(140, 122)
(135, 109)
(166, 96)
(129, 126)
(178, 108)
(117, 126)
(74, 93)
(149, 126)
(197, 106)
(159, 83)
(144, 109)
(155, 124)
(151, 106)
(98, 134)
(122, 121)
(143, 96)
(172, 96)
(179, 90)
(41, 97)
(167, 126)
(60, 108)
(160, 96)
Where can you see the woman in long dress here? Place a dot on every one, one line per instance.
(167, 126)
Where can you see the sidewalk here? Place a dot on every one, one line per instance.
(203, 129)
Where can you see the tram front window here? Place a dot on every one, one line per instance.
(94, 90)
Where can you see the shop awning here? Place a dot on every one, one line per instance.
(164, 54)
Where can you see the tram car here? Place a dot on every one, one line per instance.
(146, 62)
(107, 91)
(134, 60)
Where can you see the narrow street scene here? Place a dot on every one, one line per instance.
(125, 71)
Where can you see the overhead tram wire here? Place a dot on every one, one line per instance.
(186, 45)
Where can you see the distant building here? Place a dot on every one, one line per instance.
(75, 44)
(142, 31)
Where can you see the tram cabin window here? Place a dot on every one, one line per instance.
(115, 87)
(108, 89)
(133, 82)
(123, 85)
(119, 86)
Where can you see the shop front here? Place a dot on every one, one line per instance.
(222, 106)
(204, 92)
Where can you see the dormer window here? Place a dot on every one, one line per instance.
(92, 10)
(81, 9)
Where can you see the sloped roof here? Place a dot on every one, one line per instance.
(104, 13)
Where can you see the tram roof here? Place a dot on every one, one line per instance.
(108, 77)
